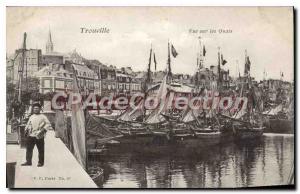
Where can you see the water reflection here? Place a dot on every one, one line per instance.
(257, 163)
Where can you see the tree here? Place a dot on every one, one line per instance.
(29, 91)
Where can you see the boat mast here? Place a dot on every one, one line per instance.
(147, 82)
(219, 69)
(21, 67)
(169, 73)
(201, 65)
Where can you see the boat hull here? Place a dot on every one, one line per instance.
(244, 132)
(279, 126)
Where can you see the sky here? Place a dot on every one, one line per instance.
(266, 33)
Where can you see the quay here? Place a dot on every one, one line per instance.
(61, 169)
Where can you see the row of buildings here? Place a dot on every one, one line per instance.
(55, 73)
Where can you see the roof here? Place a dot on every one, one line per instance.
(84, 71)
(175, 87)
(122, 75)
(180, 88)
(141, 75)
(54, 54)
(50, 71)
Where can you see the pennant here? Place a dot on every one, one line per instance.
(223, 61)
(154, 59)
(174, 52)
(204, 51)
(248, 63)
(149, 64)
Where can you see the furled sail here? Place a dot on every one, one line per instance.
(188, 116)
(78, 127)
(132, 113)
(275, 110)
(155, 116)
(96, 126)
(239, 114)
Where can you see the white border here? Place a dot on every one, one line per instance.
(107, 3)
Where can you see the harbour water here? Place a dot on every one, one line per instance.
(261, 162)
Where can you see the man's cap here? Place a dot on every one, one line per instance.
(36, 104)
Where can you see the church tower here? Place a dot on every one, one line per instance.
(49, 45)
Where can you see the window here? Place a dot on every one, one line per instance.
(59, 84)
(47, 83)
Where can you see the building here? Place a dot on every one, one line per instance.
(32, 63)
(88, 81)
(74, 57)
(243, 81)
(54, 78)
(135, 86)
(54, 58)
(108, 78)
(182, 78)
(49, 45)
(224, 79)
(106, 75)
(123, 83)
(51, 57)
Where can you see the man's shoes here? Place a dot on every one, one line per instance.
(26, 164)
(40, 165)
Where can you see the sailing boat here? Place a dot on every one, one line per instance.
(280, 119)
(187, 129)
(200, 123)
(247, 124)
(131, 122)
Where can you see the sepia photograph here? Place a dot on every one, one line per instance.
(150, 97)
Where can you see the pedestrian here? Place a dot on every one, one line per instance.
(35, 131)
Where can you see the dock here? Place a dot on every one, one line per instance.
(61, 169)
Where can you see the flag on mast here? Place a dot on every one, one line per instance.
(149, 68)
(223, 61)
(247, 65)
(204, 50)
(154, 59)
(150, 57)
(173, 50)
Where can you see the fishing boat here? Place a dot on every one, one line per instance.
(243, 128)
(279, 119)
(247, 123)
(133, 123)
(191, 126)
(244, 131)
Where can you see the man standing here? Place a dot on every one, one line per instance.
(35, 130)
